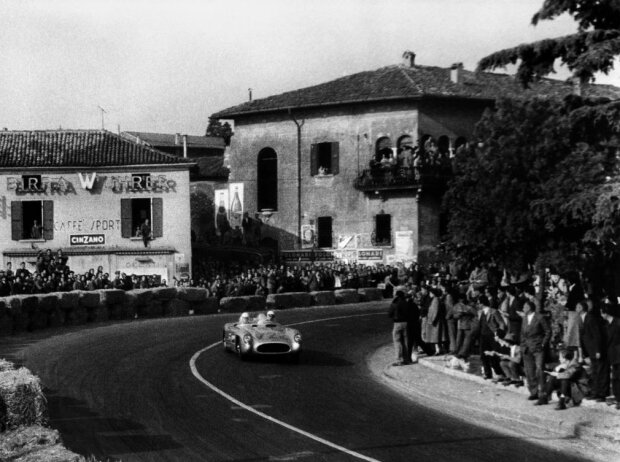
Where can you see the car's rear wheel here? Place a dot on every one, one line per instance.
(294, 357)
(224, 341)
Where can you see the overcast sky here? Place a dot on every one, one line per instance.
(165, 66)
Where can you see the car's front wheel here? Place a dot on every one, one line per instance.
(242, 356)
(294, 357)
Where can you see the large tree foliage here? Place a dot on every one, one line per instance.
(215, 127)
(591, 49)
(527, 191)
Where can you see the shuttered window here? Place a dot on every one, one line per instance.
(158, 216)
(32, 220)
(126, 219)
(383, 230)
(17, 221)
(48, 220)
(325, 159)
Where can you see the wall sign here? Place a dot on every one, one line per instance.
(87, 239)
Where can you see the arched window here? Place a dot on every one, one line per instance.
(383, 148)
(267, 180)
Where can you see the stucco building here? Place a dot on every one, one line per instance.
(329, 167)
(87, 192)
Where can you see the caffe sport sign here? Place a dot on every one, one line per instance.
(87, 239)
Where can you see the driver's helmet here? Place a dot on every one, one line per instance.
(244, 318)
(271, 315)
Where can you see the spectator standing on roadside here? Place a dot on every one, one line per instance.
(413, 327)
(398, 314)
(535, 336)
(595, 347)
(613, 352)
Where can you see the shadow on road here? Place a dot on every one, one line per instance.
(117, 435)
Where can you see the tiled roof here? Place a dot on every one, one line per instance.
(402, 82)
(165, 139)
(76, 148)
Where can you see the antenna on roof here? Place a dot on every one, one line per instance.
(103, 111)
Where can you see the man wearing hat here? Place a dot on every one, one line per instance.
(510, 360)
(398, 314)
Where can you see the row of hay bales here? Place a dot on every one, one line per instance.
(21, 313)
(24, 435)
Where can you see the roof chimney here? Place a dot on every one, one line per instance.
(408, 58)
(249, 94)
(185, 146)
(456, 73)
(177, 137)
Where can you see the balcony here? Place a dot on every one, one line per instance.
(394, 178)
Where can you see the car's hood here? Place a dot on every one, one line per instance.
(268, 333)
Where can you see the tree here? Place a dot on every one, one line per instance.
(591, 49)
(217, 128)
(527, 192)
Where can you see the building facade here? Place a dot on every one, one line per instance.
(334, 170)
(89, 193)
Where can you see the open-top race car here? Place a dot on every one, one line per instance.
(251, 337)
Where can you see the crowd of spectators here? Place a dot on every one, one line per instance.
(568, 344)
(224, 279)
(52, 273)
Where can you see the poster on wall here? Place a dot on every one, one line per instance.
(403, 244)
(307, 236)
(235, 195)
(221, 211)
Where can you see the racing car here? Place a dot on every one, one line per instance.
(261, 338)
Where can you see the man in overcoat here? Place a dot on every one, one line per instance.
(594, 340)
(535, 336)
(613, 352)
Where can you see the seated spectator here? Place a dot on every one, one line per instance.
(510, 360)
(561, 378)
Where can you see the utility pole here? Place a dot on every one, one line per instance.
(103, 111)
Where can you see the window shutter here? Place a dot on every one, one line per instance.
(126, 218)
(17, 224)
(157, 204)
(314, 159)
(48, 220)
(335, 156)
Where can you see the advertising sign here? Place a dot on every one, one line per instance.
(235, 195)
(87, 239)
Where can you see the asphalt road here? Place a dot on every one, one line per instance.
(126, 392)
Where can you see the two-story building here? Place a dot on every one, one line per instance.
(88, 192)
(354, 168)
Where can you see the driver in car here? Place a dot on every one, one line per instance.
(245, 318)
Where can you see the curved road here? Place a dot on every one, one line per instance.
(127, 391)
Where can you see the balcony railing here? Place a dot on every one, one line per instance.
(402, 178)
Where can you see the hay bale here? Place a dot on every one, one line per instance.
(89, 300)
(116, 311)
(164, 293)
(6, 365)
(346, 296)
(18, 315)
(76, 316)
(130, 302)
(178, 307)
(370, 294)
(234, 304)
(209, 305)
(23, 441)
(21, 399)
(143, 296)
(324, 297)
(111, 296)
(191, 294)
(153, 310)
(50, 305)
(256, 302)
(69, 300)
(55, 453)
(100, 313)
(289, 300)
(37, 317)
(6, 319)
(56, 317)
